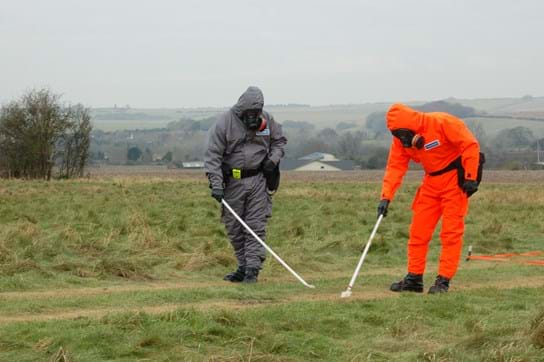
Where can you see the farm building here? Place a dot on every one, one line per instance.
(316, 161)
(193, 165)
(539, 160)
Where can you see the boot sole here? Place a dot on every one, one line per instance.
(407, 290)
(437, 292)
(233, 279)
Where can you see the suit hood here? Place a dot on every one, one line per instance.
(401, 116)
(252, 98)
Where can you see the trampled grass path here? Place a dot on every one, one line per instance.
(188, 284)
(167, 285)
(360, 293)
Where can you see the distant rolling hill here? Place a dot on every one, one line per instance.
(110, 119)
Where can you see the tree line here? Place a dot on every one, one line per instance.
(367, 145)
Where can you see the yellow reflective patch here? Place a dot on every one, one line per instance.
(236, 173)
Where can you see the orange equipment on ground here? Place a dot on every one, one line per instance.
(518, 258)
(441, 138)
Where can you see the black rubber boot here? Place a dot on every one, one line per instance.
(236, 276)
(441, 285)
(251, 275)
(410, 283)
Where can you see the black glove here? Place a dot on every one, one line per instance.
(218, 194)
(470, 187)
(382, 207)
(268, 165)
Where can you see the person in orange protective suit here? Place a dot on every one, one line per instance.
(450, 156)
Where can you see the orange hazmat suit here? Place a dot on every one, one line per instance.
(445, 139)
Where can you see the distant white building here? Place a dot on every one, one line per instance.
(539, 161)
(193, 164)
(317, 161)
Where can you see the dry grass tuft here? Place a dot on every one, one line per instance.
(149, 342)
(537, 337)
(538, 320)
(537, 330)
(6, 253)
(65, 266)
(27, 230)
(76, 269)
(61, 356)
(199, 261)
(228, 318)
(474, 326)
(495, 226)
(43, 344)
(141, 233)
(127, 269)
(19, 266)
(70, 234)
(82, 273)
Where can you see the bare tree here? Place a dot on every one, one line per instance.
(477, 129)
(14, 139)
(350, 145)
(73, 150)
(37, 132)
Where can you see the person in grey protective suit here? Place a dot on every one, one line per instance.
(244, 144)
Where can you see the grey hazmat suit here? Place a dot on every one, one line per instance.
(232, 146)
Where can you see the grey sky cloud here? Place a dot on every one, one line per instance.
(205, 53)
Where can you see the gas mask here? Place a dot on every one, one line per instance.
(409, 138)
(252, 119)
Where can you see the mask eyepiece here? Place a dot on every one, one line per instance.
(404, 135)
(252, 118)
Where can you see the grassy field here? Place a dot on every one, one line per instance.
(130, 268)
(492, 126)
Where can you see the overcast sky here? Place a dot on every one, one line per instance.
(189, 53)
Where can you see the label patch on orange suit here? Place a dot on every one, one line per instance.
(431, 145)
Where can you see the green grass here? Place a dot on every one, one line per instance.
(140, 263)
(454, 327)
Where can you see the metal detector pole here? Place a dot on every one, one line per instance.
(266, 246)
(347, 293)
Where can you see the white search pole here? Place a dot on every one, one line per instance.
(347, 293)
(266, 246)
